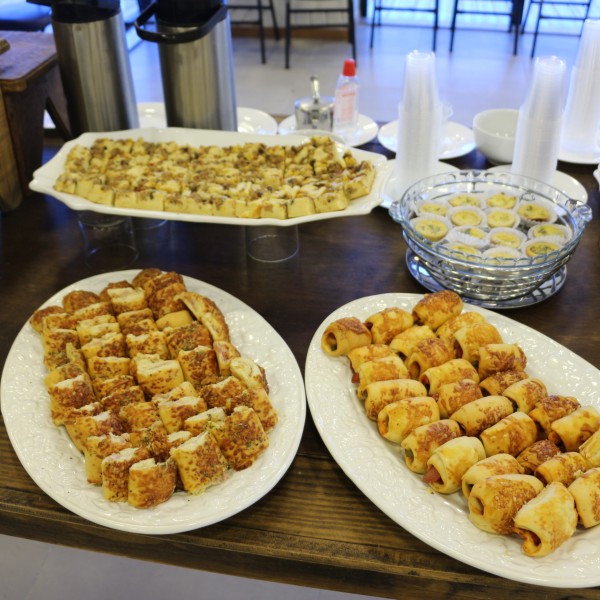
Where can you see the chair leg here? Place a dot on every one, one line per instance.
(535, 33)
(376, 8)
(524, 21)
(288, 35)
(453, 25)
(351, 29)
(435, 24)
(261, 33)
(274, 19)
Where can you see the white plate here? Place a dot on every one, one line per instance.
(581, 158)
(45, 177)
(250, 120)
(52, 461)
(365, 132)
(458, 139)
(377, 467)
(392, 190)
(565, 183)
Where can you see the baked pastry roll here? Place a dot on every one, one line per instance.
(153, 342)
(422, 442)
(549, 409)
(89, 311)
(122, 396)
(107, 367)
(55, 343)
(428, 353)
(67, 371)
(451, 396)
(500, 357)
(382, 393)
(110, 344)
(104, 387)
(155, 375)
(248, 372)
(76, 299)
(199, 365)
(494, 501)
(571, 431)
(216, 325)
(362, 354)
(396, 420)
(494, 385)
(201, 422)
(343, 335)
(88, 331)
(450, 461)
(126, 299)
(452, 325)
(138, 415)
(92, 425)
(499, 464)
(469, 339)
(547, 521)
(451, 371)
(590, 450)
(388, 323)
(128, 320)
(187, 337)
(225, 352)
(586, 493)
(99, 447)
(185, 388)
(173, 320)
(480, 414)
(173, 413)
(37, 318)
(533, 456)
(151, 483)
(259, 400)
(68, 395)
(435, 309)
(511, 435)
(564, 467)
(380, 369)
(526, 393)
(405, 343)
(115, 472)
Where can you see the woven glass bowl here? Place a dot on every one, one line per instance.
(503, 284)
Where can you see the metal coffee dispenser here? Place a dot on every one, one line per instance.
(94, 64)
(196, 60)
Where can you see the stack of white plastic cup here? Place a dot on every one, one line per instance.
(582, 112)
(537, 139)
(419, 119)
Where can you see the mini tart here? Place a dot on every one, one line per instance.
(502, 217)
(460, 250)
(431, 227)
(464, 200)
(501, 200)
(502, 255)
(432, 208)
(466, 215)
(468, 234)
(506, 237)
(550, 230)
(536, 212)
(541, 247)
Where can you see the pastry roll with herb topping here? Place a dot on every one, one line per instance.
(480, 414)
(451, 371)
(405, 343)
(495, 384)
(435, 309)
(500, 357)
(396, 420)
(590, 450)
(526, 393)
(343, 335)
(428, 353)
(422, 442)
(564, 467)
(547, 521)
(363, 354)
(151, 483)
(382, 393)
(452, 325)
(586, 493)
(573, 430)
(448, 463)
(533, 456)
(470, 338)
(499, 464)
(380, 369)
(115, 472)
(511, 435)
(388, 323)
(451, 396)
(549, 409)
(494, 501)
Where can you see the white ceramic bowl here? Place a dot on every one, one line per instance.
(494, 132)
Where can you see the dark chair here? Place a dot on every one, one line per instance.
(572, 10)
(326, 7)
(21, 16)
(427, 6)
(258, 7)
(512, 9)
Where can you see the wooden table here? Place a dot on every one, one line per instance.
(297, 533)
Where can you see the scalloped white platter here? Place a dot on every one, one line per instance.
(45, 177)
(57, 467)
(377, 466)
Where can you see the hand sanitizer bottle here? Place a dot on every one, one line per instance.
(345, 112)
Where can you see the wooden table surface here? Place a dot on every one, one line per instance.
(315, 528)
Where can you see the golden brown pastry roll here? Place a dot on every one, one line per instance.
(362, 354)
(448, 463)
(549, 409)
(586, 493)
(447, 330)
(533, 456)
(573, 430)
(396, 420)
(564, 467)
(494, 501)
(547, 521)
(495, 384)
(500, 357)
(499, 464)
(380, 369)
(388, 323)
(151, 483)
(480, 414)
(404, 343)
(590, 450)
(451, 396)
(382, 393)
(343, 335)
(435, 309)
(428, 353)
(511, 435)
(421, 443)
(526, 393)
(448, 372)
(470, 338)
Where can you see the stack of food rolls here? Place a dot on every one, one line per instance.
(443, 385)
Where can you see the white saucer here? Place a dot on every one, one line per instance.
(365, 132)
(250, 120)
(458, 139)
(565, 183)
(581, 158)
(391, 189)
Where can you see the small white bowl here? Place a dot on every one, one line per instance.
(494, 131)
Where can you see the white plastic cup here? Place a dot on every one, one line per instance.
(272, 243)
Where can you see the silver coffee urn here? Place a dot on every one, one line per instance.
(196, 61)
(94, 64)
